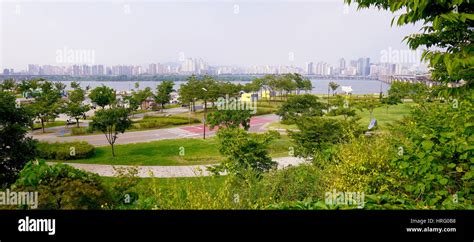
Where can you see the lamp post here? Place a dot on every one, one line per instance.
(205, 111)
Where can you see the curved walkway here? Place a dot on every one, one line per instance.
(170, 171)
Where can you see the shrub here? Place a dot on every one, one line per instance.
(65, 151)
(81, 130)
(150, 122)
(293, 184)
(357, 165)
(62, 186)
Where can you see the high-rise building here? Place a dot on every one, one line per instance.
(33, 69)
(342, 64)
(363, 66)
(310, 68)
(152, 70)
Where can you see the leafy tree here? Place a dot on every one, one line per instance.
(299, 105)
(244, 151)
(75, 107)
(368, 103)
(446, 35)
(132, 103)
(103, 96)
(307, 85)
(47, 102)
(189, 92)
(62, 186)
(16, 149)
(318, 135)
(142, 95)
(230, 118)
(433, 163)
(8, 85)
(163, 92)
(333, 87)
(342, 107)
(111, 122)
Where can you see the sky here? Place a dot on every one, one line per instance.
(221, 32)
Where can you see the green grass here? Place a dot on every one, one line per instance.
(212, 182)
(167, 152)
(383, 116)
(158, 153)
(157, 122)
(49, 124)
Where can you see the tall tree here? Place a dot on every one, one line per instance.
(103, 96)
(75, 106)
(111, 122)
(47, 102)
(163, 92)
(333, 87)
(16, 149)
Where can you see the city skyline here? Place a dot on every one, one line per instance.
(357, 67)
(229, 34)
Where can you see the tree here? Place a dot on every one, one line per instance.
(333, 87)
(8, 85)
(103, 96)
(61, 186)
(16, 149)
(230, 118)
(47, 102)
(317, 135)
(368, 103)
(446, 35)
(299, 105)
(163, 92)
(142, 95)
(189, 92)
(75, 107)
(307, 85)
(244, 152)
(111, 122)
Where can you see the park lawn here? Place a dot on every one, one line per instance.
(167, 153)
(158, 153)
(49, 124)
(384, 115)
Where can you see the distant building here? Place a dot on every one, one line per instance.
(310, 68)
(363, 66)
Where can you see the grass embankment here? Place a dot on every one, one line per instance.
(172, 152)
(383, 115)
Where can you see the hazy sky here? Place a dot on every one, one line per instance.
(221, 32)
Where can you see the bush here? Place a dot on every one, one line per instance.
(65, 151)
(81, 130)
(357, 165)
(62, 186)
(293, 184)
(150, 122)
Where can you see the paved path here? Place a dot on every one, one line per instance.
(171, 171)
(257, 124)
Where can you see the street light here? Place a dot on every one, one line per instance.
(204, 119)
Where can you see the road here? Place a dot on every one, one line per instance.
(257, 124)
